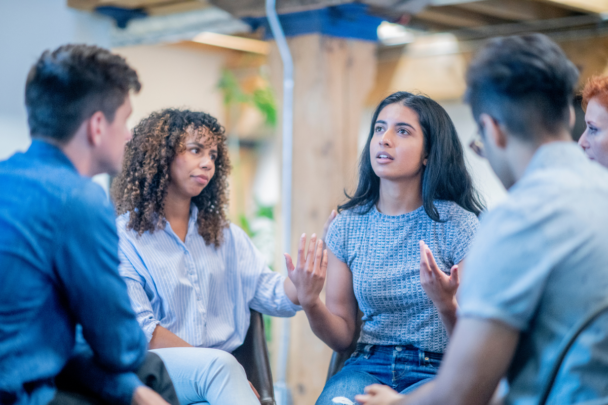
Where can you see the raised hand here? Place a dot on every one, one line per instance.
(440, 287)
(380, 395)
(308, 275)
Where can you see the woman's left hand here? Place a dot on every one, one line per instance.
(440, 287)
(380, 395)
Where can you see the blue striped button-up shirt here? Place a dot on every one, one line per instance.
(200, 293)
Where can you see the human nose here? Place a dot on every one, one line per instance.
(386, 138)
(583, 141)
(206, 162)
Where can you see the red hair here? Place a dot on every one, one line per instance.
(596, 87)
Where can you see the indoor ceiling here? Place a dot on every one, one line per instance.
(467, 19)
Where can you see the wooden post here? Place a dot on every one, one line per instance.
(333, 77)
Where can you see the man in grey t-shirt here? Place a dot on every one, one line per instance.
(539, 263)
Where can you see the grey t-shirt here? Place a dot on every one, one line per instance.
(383, 254)
(539, 264)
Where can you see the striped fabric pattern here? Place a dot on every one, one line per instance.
(201, 293)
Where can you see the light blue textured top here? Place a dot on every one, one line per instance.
(383, 254)
(539, 265)
(200, 293)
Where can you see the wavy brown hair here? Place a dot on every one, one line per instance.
(141, 187)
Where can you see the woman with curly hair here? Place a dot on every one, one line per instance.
(594, 140)
(191, 275)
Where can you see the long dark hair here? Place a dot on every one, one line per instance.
(444, 177)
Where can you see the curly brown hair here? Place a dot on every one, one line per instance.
(141, 187)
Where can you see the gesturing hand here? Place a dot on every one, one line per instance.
(380, 395)
(440, 287)
(309, 273)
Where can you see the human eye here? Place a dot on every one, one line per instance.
(213, 156)
(378, 129)
(402, 131)
(591, 129)
(195, 150)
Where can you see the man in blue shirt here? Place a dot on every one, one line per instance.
(539, 263)
(58, 241)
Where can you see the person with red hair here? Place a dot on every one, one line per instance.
(594, 140)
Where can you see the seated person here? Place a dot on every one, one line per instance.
(413, 187)
(539, 263)
(58, 242)
(191, 275)
(594, 140)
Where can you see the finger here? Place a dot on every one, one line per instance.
(318, 257)
(254, 390)
(301, 246)
(373, 389)
(455, 276)
(288, 262)
(363, 399)
(424, 264)
(432, 263)
(330, 219)
(324, 264)
(310, 255)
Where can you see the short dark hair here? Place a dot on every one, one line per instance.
(524, 82)
(68, 85)
(445, 177)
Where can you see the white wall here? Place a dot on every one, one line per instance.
(28, 27)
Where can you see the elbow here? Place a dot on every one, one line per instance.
(127, 358)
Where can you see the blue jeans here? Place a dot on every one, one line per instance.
(403, 368)
(207, 376)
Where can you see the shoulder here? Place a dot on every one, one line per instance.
(87, 201)
(454, 214)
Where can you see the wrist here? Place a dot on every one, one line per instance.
(447, 307)
(311, 304)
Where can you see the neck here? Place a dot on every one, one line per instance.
(177, 208)
(79, 154)
(400, 197)
(520, 153)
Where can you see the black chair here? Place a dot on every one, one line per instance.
(565, 348)
(339, 358)
(253, 356)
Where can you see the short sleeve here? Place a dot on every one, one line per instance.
(509, 263)
(336, 238)
(464, 229)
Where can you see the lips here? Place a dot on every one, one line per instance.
(384, 157)
(201, 179)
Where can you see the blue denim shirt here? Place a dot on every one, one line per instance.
(59, 268)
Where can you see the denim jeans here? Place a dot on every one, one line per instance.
(207, 376)
(403, 368)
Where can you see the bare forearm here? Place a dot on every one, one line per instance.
(163, 338)
(447, 314)
(330, 328)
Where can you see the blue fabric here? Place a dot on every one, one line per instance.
(383, 254)
(540, 264)
(403, 368)
(201, 293)
(341, 21)
(58, 268)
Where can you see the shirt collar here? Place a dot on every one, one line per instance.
(555, 154)
(49, 152)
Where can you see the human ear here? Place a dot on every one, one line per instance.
(493, 131)
(572, 117)
(96, 128)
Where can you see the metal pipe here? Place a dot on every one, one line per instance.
(282, 392)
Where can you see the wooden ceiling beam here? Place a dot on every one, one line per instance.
(453, 16)
(517, 10)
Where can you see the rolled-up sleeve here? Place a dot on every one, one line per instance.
(137, 294)
(270, 297)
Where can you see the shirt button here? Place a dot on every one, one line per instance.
(398, 348)
(426, 358)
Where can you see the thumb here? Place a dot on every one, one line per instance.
(288, 262)
(455, 276)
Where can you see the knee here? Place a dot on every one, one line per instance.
(224, 361)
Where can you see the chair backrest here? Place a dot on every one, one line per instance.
(339, 358)
(253, 356)
(565, 348)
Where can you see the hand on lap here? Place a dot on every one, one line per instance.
(380, 395)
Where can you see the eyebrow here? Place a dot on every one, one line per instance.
(200, 145)
(405, 124)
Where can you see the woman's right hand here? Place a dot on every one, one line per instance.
(439, 287)
(308, 275)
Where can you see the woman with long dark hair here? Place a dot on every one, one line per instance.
(394, 249)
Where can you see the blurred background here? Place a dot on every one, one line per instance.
(219, 56)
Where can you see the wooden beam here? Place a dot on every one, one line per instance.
(517, 10)
(455, 17)
(332, 80)
(585, 6)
